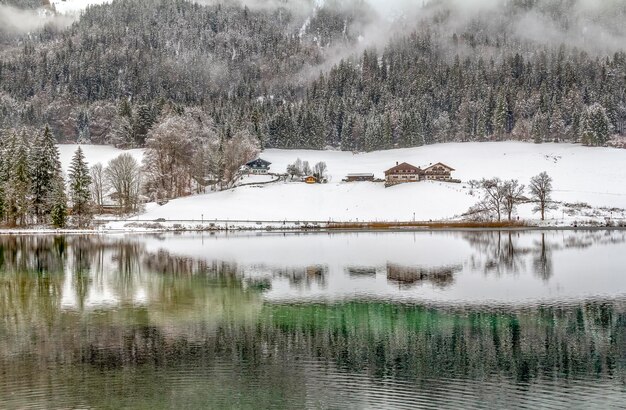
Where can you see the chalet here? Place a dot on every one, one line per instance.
(438, 172)
(310, 179)
(360, 178)
(402, 173)
(258, 166)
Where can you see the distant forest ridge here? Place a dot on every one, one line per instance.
(338, 75)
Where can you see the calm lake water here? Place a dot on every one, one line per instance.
(335, 321)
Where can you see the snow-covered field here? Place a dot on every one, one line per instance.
(595, 176)
(581, 174)
(94, 154)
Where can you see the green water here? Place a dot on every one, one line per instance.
(127, 322)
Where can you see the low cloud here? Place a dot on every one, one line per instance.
(20, 21)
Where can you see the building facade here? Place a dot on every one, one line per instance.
(438, 172)
(402, 173)
(360, 178)
(258, 166)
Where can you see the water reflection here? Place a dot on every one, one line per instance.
(104, 321)
(409, 276)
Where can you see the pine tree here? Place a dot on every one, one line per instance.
(17, 187)
(540, 128)
(79, 186)
(58, 209)
(595, 127)
(45, 168)
(500, 117)
(3, 173)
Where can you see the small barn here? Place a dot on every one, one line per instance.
(258, 166)
(360, 178)
(310, 179)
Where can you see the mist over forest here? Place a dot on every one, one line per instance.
(354, 74)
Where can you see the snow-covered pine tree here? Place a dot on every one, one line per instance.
(595, 127)
(45, 169)
(541, 127)
(58, 201)
(3, 172)
(500, 117)
(79, 186)
(17, 187)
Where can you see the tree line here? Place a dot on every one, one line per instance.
(183, 155)
(108, 77)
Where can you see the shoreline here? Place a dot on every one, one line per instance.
(435, 226)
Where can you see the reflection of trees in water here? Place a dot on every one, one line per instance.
(500, 253)
(382, 340)
(542, 259)
(497, 252)
(42, 254)
(412, 275)
(167, 263)
(586, 239)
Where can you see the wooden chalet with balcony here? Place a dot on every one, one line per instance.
(438, 172)
(402, 173)
(258, 166)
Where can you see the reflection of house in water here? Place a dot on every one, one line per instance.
(307, 275)
(357, 271)
(410, 275)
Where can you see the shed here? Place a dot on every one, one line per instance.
(360, 177)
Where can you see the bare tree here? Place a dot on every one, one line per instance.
(295, 169)
(493, 196)
(306, 168)
(541, 193)
(513, 195)
(167, 161)
(241, 148)
(319, 171)
(98, 185)
(124, 176)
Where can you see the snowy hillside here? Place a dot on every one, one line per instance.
(591, 175)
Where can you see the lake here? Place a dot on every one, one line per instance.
(522, 319)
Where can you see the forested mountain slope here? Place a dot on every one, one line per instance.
(332, 75)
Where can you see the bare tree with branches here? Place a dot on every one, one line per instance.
(98, 185)
(541, 193)
(513, 195)
(124, 175)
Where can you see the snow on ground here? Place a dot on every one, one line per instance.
(581, 174)
(94, 154)
(74, 6)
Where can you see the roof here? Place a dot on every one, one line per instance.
(361, 175)
(442, 164)
(259, 162)
(407, 168)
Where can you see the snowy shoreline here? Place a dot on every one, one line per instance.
(585, 194)
(280, 230)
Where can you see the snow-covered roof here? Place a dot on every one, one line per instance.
(258, 162)
(440, 164)
(403, 167)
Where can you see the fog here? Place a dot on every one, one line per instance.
(20, 21)
(596, 26)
